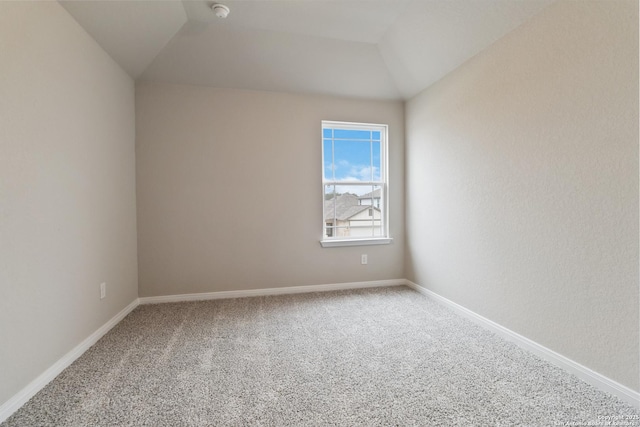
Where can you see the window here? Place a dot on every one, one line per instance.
(354, 181)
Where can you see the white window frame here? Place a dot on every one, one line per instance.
(328, 242)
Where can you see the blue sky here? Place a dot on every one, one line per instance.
(356, 154)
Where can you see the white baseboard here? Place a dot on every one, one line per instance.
(270, 291)
(589, 376)
(597, 380)
(19, 399)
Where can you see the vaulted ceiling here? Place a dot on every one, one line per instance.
(382, 49)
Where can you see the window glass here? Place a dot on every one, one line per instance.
(355, 189)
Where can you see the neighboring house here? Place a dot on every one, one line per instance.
(369, 199)
(349, 215)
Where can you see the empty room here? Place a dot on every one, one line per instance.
(319, 212)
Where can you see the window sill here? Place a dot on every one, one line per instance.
(356, 242)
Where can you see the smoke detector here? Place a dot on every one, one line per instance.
(220, 10)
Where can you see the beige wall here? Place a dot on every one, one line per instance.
(67, 190)
(522, 184)
(230, 196)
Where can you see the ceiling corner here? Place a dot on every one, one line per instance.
(131, 32)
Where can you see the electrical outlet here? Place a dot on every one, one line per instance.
(103, 290)
(363, 259)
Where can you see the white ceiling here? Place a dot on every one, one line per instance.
(385, 49)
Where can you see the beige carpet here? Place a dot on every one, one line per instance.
(386, 356)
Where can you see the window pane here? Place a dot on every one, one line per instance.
(328, 160)
(352, 211)
(354, 155)
(352, 134)
(373, 196)
(369, 224)
(375, 156)
(352, 160)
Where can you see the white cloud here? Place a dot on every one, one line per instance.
(364, 173)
